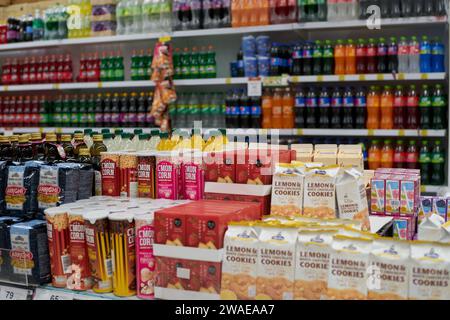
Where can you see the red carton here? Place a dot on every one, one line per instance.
(170, 227)
(210, 276)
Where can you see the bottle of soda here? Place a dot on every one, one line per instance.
(339, 58)
(107, 111)
(132, 110)
(412, 156)
(438, 164)
(115, 111)
(399, 108)
(372, 57)
(387, 155)
(194, 65)
(324, 108)
(412, 109)
(337, 104)
(403, 55)
(347, 110)
(382, 51)
(361, 57)
(244, 110)
(185, 64)
(275, 61)
(82, 111)
(425, 108)
(123, 110)
(328, 58)
(256, 112)
(392, 59)
(425, 163)
(311, 107)
(267, 104)
(387, 109)
(425, 55)
(98, 110)
(317, 58)
(228, 104)
(74, 111)
(288, 109)
(437, 56)
(438, 105)
(300, 106)
(373, 108)
(277, 110)
(399, 155)
(235, 110)
(360, 109)
(307, 59)
(374, 155)
(350, 57)
(176, 64)
(297, 56)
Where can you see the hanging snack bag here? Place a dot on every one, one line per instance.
(347, 275)
(388, 271)
(352, 198)
(239, 268)
(287, 190)
(276, 263)
(319, 200)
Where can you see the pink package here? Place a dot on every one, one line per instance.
(145, 260)
(378, 195)
(167, 177)
(398, 171)
(193, 180)
(404, 227)
(410, 194)
(393, 195)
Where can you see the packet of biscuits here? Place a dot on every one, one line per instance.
(319, 199)
(276, 262)
(429, 271)
(287, 190)
(312, 261)
(347, 273)
(388, 272)
(352, 197)
(240, 262)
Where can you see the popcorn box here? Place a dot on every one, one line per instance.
(167, 176)
(192, 180)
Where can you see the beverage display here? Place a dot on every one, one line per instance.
(197, 63)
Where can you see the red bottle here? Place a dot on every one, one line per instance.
(26, 118)
(15, 72)
(399, 108)
(412, 109)
(52, 73)
(6, 72)
(39, 70)
(5, 106)
(372, 61)
(25, 72)
(2, 111)
(34, 111)
(15, 106)
(59, 69)
(68, 74)
(361, 57)
(83, 69)
(96, 67)
(399, 155)
(32, 71)
(45, 70)
(412, 156)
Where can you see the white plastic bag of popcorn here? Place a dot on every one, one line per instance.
(388, 270)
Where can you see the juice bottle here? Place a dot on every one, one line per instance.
(277, 110)
(425, 163)
(350, 57)
(412, 156)
(412, 109)
(288, 109)
(399, 155)
(387, 155)
(374, 155)
(438, 164)
(373, 108)
(382, 56)
(324, 108)
(339, 58)
(399, 108)
(197, 142)
(372, 59)
(361, 57)
(387, 107)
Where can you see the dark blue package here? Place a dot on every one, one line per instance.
(29, 254)
(5, 246)
(86, 186)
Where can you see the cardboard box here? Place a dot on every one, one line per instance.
(326, 154)
(350, 156)
(304, 152)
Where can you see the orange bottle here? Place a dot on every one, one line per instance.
(277, 110)
(350, 58)
(236, 11)
(387, 155)
(267, 104)
(263, 8)
(374, 155)
(288, 109)
(339, 58)
(373, 108)
(387, 109)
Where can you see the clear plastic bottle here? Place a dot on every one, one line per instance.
(414, 56)
(108, 141)
(135, 20)
(135, 140)
(88, 137)
(121, 13)
(155, 139)
(118, 139)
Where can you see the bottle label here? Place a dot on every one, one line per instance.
(382, 51)
(411, 157)
(361, 51)
(399, 157)
(438, 50)
(141, 118)
(317, 53)
(328, 53)
(277, 110)
(106, 117)
(399, 101)
(66, 118)
(98, 118)
(297, 54)
(234, 111)
(438, 101)
(276, 62)
(424, 102)
(361, 101)
(371, 52)
(324, 102)
(300, 101)
(115, 118)
(227, 111)
(348, 102)
(256, 111)
(74, 118)
(337, 102)
(425, 158)
(245, 111)
(425, 49)
(307, 53)
(132, 117)
(437, 158)
(414, 49)
(403, 50)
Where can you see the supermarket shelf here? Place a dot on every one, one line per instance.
(49, 292)
(221, 32)
(269, 81)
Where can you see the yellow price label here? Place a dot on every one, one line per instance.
(58, 130)
(362, 77)
(319, 78)
(341, 77)
(424, 76)
(295, 79)
(228, 81)
(424, 133)
(401, 133)
(99, 85)
(401, 76)
(5, 88)
(55, 86)
(423, 188)
(263, 131)
(41, 130)
(380, 77)
(165, 39)
(370, 132)
(300, 132)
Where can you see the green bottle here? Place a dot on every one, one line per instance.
(104, 68)
(177, 63)
(91, 111)
(134, 66)
(202, 59)
(185, 64)
(74, 112)
(148, 65)
(57, 111)
(438, 164)
(438, 103)
(211, 67)
(65, 114)
(425, 163)
(119, 73)
(194, 65)
(141, 66)
(110, 72)
(82, 111)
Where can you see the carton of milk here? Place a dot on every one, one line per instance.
(430, 228)
(440, 207)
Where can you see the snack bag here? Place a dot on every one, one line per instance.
(312, 261)
(445, 233)
(239, 264)
(388, 272)
(430, 227)
(319, 200)
(347, 273)
(352, 197)
(276, 263)
(287, 190)
(429, 271)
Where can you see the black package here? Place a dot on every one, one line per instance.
(3, 176)
(30, 258)
(21, 189)
(5, 246)
(86, 187)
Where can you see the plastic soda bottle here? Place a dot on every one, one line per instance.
(399, 108)
(387, 155)
(374, 155)
(437, 56)
(425, 108)
(361, 57)
(387, 105)
(425, 55)
(339, 58)
(412, 109)
(438, 164)
(267, 104)
(438, 105)
(382, 55)
(300, 105)
(425, 163)
(412, 156)
(360, 109)
(372, 59)
(350, 57)
(414, 56)
(328, 58)
(403, 55)
(373, 108)
(337, 103)
(311, 106)
(399, 155)
(347, 110)
(392, 57)
(324, 108)
(277, 110)
(288, 109)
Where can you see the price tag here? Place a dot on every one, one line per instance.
(55, 86)
(99, 85)
(401, 76)
(5, 88)
(341, 77)
(401, 133)
(362, 77)
(423, 188)
(370, 132)
(300, 132)
(424, 133)
(254, 87)
(424, 76)
(380, 77)
(58, 130)
(44, 294)
(319, 79)
(228, 81)
(11, 293)
(272, 81)
(295, 79)
(165, 39)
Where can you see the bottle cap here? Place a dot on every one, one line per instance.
(66, 138)
(118, 131)
(107, 136)
(24, 138)
(84, 152)
(78, 136)
(154, 132)
(98, 138)
(87, 131)
(138, 131)
(4, 139)
(36, 136)
(50, 137)
(14, 138)
(143, 136)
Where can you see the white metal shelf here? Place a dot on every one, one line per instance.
(370, 77)
(221, 32)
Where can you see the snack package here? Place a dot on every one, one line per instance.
(287, 190)
(319, 200)
(167, 176)
(347, 276)
(276, 263)
(352, 198)
(110, 164)
(312, 262)
(388, 272)
(429, 276)
(239, 267)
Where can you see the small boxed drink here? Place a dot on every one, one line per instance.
(440, 207)
(425, 208)
(404, 228)
(378, 195)
(409, 195)
(393, 195)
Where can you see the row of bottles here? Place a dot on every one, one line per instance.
(195, 63)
